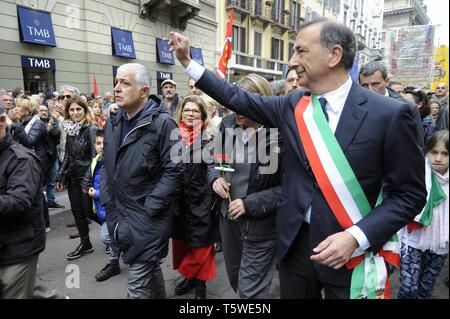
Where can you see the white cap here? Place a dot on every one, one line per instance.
(169, 81)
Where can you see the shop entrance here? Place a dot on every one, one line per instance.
(36, 81)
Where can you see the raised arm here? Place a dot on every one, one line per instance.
(266, 110)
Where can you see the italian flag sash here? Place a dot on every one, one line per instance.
(345, 197)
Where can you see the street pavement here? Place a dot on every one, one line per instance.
(56, 272)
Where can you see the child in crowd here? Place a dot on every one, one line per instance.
(112, 268)
(425, 241)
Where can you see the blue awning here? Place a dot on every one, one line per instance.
(123, 44)
(164, 55)
(197, 55)
(39, 63)
(36, 26)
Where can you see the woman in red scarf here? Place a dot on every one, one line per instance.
(194, 225)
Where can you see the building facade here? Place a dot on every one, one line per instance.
(402, 13)
(45, 44)
(365, 18)
(264, 32)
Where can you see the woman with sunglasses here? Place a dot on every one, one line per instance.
(194, 226)
(74, 172)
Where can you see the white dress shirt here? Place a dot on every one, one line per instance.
(335, 104)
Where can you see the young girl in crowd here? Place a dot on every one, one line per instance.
(425, 241)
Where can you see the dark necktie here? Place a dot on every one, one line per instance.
(323, 103)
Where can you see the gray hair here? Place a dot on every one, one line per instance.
(371, 67)
(333, 33)
(140, 72)
(69, 88)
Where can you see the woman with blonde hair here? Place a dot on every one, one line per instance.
(31, 132)
(248, 198)
(74, 171)
(194, 226)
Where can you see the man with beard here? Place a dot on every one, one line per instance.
(169, 95)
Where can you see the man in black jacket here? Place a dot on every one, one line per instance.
(22, 230)
(139, 180)
(374, 77)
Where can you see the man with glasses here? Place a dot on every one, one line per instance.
(441, 93)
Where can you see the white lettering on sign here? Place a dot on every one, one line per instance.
(39, 63)
(164, 75)
(126, 47)
(43, 33)
(166, 55)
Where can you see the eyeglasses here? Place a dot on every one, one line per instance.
(61, 97)
(191, 111)
(441, 88)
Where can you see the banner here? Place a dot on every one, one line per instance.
(221, 70)
(410, 54)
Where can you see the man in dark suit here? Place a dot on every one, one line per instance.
(372, 131)
(374, 77)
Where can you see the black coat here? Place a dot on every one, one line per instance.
(35, 140)
(264, 190)
(76, 165)
(139, 182)
(194, 221)
(22, 228)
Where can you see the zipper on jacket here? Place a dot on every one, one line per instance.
(134, 129)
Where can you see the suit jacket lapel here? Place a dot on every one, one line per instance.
(352, 116)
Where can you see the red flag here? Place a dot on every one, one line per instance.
(95, 87)
(221, 70)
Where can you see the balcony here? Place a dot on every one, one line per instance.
(240, 6)
(251, 63)
(361, 41)
(181, 11)
(262, 12)
(280, 19)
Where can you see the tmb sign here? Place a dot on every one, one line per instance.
(36, 26)
(32, 62)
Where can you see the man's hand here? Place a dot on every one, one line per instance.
(236, 209)
(336, 250)
(180, 45)
(221, 187)
(60, 186)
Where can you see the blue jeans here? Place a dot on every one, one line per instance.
(51, 182)
(114, 251)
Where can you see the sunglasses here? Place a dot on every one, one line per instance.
(441, 88)
(61, 97)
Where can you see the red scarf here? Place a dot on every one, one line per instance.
(190, 133)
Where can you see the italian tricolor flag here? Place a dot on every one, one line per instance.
(345, 197)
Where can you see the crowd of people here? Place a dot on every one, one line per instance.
(360, 170)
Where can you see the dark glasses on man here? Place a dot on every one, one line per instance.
(61, 97)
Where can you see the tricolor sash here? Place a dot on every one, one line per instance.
(345, 197)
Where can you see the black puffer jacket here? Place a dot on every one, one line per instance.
(35, 140)
(22, 228)
(78, 156)
(264, 186)
(139, 182)
(194, 221)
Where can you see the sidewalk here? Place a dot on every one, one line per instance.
(53, 266)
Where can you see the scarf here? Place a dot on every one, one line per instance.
(72, 128)
(435, 235)
(190, 133)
